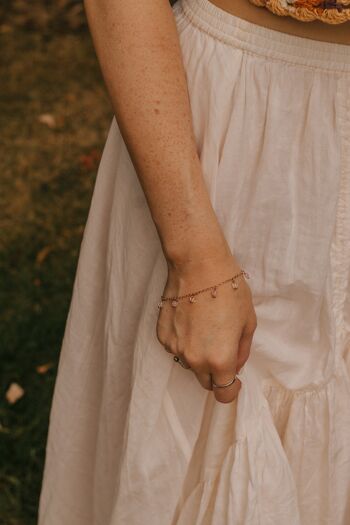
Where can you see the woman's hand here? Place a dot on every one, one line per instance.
(212, 336)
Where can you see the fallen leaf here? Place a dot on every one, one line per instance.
(71, 97)
(90, 160)
(42, 369)
(42, 254)
(48, 119)
(14, 392)
(5, 28)
(4, 430)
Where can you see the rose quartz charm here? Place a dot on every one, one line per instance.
(234, 285)
(192, 299)
(174, 303)
(214, 292)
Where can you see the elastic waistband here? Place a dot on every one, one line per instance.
(261, 40)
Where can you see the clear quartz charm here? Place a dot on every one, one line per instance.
(160, 304)
(192, 299)
(246, 274)
(174, 303)
(214, 292)
(234, 284)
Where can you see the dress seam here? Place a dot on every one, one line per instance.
(340, 252)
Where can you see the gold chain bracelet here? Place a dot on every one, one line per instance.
(213, 289)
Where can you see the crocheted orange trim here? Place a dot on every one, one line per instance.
(329, 11)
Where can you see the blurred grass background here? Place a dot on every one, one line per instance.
(54, 119)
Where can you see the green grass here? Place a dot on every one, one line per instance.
(47, 177)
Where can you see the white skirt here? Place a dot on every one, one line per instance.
(134, 439)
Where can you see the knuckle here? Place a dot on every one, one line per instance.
(255, 321)
(243, 359)
(246, 356)
(250, 329)
(181, 351)
(161, 335)
(161, 339)
(194, 360)
(218, 364)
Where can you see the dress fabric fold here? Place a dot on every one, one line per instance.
(133, 437)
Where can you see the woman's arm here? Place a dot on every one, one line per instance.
(138, 48)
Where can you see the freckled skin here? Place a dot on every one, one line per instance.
(139, 53)
(138, 49)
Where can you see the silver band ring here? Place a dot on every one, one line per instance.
(224, 385)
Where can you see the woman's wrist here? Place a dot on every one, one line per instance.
(198, 239)
(197, 274)
(202, 266)
(197, 254)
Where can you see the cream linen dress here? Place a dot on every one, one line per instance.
(133, 438)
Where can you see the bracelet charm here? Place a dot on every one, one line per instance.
(234, 284)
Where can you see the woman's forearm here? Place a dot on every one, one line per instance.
(138, 48)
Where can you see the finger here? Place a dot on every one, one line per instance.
(221, 377)
(204, 379)
(167, 349)
(229, 393)
(181, 361)
(196, 367)
(172, 348)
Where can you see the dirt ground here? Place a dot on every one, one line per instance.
(54, 118)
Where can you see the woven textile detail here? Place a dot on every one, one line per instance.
(329, 11)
